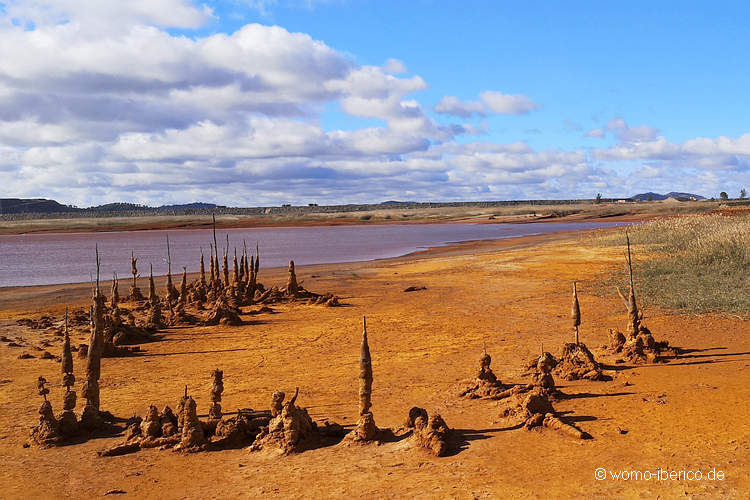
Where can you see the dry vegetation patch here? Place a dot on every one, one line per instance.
(696, 264)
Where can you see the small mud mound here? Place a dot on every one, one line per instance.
(223, 314)
(486, 385)
(640, 348)
(193, 437)
(293, 431)
(540, 369)
(184, 432)
(430, 433)
(576, 362)
(535, 409)
(47, 433)
(295, 292)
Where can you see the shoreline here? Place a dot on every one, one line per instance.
(163, 223)
(56, 296)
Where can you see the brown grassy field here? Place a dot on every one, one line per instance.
(694, 264)
(513, 295)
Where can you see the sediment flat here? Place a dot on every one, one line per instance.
(512, 295)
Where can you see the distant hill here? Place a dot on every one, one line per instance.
(118, 207)
(194, 205)
(35, 205)
(45, 206)
(661, 197)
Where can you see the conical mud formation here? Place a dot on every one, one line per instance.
(365, 430)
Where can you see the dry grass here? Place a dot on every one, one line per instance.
(695, 264)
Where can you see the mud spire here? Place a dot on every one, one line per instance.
(154, 319)
(90, 417)
(292, 287)
(171, 290)
(225, 269)
(115, 292)
(135, 293)
(216, 280)
(203, 270)
(151, 286)
(634, 319)
(257, 259)
(66, 365)
(212, 275)
(235, 270)
(183, 289)
(214, 411)
(245, 265)
(365, 372)
(68, 421)
(575, 311)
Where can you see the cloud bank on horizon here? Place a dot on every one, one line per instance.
(134, 101)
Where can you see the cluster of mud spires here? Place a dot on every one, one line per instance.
(212, 299)
(530, 405)
(286, 427)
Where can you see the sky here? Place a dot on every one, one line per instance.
(264, 102)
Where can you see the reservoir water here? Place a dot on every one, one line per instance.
(46, 258)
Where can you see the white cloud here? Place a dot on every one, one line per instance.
(490, 102)
(626, 134)
(110, 106)
(597, 133)
(450, 105)
(107, 16)
(507, 104)
(394, 66)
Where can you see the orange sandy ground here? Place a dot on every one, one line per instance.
(689, 414)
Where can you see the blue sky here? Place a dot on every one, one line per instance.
(262, 102)
(679, 66)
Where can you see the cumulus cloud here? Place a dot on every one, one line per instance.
(704, 154)
(506, 104)
(641, 133)
(489, 102)
(394, 66)
(107, 16)
(100, 102)
(451, 105)
(597, 133)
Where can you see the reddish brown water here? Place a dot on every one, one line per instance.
(44, 259)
